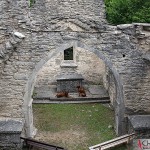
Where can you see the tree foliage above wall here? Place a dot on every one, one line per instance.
(127, 11)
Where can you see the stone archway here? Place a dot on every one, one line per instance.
(27, 107)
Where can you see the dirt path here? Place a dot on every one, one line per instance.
(68, 139)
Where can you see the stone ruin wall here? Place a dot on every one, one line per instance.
(29, 52)
(109, 84)
(121, 45)
(40, 24)
(12, 84)
(88, 64)
(54, 13)
(140, 75)
(136, 77)
(143, 31)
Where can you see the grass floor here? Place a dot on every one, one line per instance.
(74, 126)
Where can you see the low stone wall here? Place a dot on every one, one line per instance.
(10, 133)
(140, 125)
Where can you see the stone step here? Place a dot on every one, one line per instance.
(48, 100)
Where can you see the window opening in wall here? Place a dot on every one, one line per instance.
(68, 54)
(123, 55)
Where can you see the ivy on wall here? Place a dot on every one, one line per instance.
(127, 11)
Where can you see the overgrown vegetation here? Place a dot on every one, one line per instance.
(127, 11)
(74, 126)
(32, 2)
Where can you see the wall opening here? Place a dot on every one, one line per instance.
(123, 55)
(55, 123)
(68, 54)
(29, 129)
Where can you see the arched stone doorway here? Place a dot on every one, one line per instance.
(27, 107)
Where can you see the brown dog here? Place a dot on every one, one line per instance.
(81, 91)
(62, 94)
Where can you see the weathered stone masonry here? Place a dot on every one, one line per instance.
(85, 63)
(49, 28)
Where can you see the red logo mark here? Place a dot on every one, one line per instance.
(140, 144)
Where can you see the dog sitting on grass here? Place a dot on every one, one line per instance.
(62, 94)
(81, 91)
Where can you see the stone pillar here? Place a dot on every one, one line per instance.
(30, 130)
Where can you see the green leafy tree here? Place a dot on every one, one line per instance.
(127, 11)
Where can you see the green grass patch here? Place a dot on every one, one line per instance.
(87, 124)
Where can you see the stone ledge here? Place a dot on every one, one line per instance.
(69, 77)
(140, 122)
(11, 126)
(68, 65)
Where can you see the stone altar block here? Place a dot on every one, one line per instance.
(69, 82)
